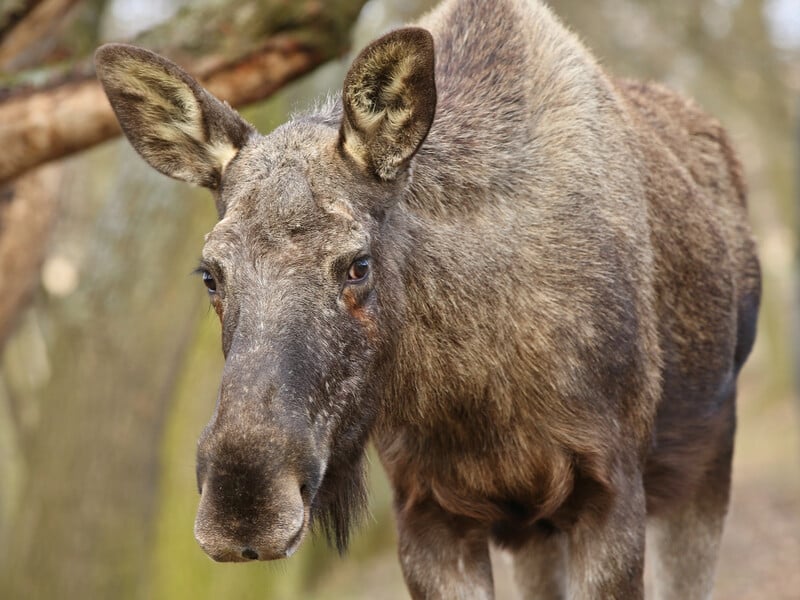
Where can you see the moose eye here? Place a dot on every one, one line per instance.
(358, 271)
(210, 282)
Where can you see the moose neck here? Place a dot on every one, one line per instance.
(465, 177)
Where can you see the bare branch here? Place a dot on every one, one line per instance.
(39, 19)
(12, 13)
(54, 123)
(46, 125)
(39, 125)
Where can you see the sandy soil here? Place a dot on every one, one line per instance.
(761, 547)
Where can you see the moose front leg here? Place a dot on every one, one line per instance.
(606, 548)
(443, 556)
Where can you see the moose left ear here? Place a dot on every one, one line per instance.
(389, 99)
(177, 126)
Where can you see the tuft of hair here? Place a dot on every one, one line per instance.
(341, 503)
(325, 110)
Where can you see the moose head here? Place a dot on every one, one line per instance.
(305, 269)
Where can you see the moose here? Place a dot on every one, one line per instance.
(530, 284)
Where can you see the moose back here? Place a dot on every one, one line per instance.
(532, 285)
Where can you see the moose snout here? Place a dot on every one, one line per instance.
(236, 525)
(258, 464)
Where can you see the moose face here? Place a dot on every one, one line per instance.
(295, 271)
(305, 271)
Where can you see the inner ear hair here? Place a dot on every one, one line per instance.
(178, 127)
(389, 100)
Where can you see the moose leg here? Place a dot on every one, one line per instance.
(685, 539)
(606, 549)
(443, 556)
(540, 567)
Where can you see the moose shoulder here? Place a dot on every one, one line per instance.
(532, 285)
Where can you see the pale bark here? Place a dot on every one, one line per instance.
(14, 12)
(28, 209)
(242, 54)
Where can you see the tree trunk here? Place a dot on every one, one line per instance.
(28, 209)
(90, 429)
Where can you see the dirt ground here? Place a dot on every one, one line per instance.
(760, 557)
(761, 547)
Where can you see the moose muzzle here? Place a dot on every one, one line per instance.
(234, 524)
(258, 467)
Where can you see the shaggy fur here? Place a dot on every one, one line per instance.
(531, 284)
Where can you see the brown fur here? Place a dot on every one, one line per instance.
(562, 290)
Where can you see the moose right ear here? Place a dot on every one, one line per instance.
(177, 126)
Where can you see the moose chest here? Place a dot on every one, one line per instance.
(506, 479)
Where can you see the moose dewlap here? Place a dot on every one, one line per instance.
(532, 285)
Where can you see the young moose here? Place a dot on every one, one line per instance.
(530, 284)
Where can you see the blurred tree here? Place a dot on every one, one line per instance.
(112, 373)
(56, 107)
(80, 522)
(242, 54)
(28, 209)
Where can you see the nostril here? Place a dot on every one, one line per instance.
(250, 554)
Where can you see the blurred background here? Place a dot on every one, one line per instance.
(111, 367)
